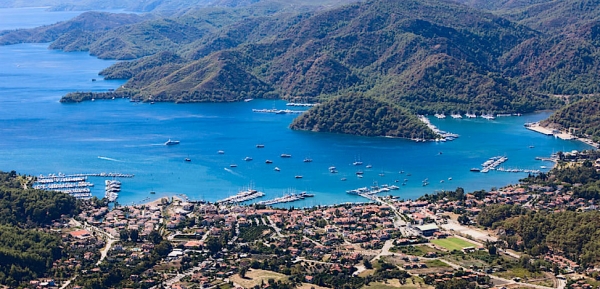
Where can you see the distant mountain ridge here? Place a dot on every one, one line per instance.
(425, 55)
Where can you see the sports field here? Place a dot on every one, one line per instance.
(452, 243)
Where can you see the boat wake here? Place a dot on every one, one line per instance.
(109, 159)
(232, 172)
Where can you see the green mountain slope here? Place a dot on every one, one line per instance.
(359, 115)
(81, 27)
(426, 55)
(581, 117)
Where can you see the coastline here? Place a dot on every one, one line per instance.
(564, 135)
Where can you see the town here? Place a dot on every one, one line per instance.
(438, 239)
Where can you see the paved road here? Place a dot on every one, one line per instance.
(385, 251)
(68, 282)
(277, 230)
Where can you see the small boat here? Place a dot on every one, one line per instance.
(247, 159)
(268, 162)
(360, 176)
(248, 99)
(152, 192)
(359, 172)
(343, 179)
(286, 156)
(298, 177)
(220, 152)
(276, 169)
(233, 166)
(369, 166)
(450, 178)
(260, 146)
(382, 174)
(401, 172)
(332, 168)
(475, 170)
(307, 160)
(187, 160)
(171, 142)
(93, 79)
(441, 181)
(531, 147)
(357, 163)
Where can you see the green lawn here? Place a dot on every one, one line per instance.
(452, 243)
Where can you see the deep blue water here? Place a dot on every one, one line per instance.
(40, 136)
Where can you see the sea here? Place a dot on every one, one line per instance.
(40, 135)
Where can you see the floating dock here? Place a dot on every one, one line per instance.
(292, 197)
(278, 111)
(242, 196)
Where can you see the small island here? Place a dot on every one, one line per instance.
(365, 116)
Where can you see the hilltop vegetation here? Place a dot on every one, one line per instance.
(72, 35)
(27, 251)
(425, 55)
(353, 114)
(429, 56)
(582, 117)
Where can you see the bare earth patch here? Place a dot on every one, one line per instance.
(256, 277)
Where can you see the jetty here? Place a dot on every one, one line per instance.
(375, 189)
(278, 111)
(113, 187)
(242, 196)
(287, 198)
(104, 175)
(444, 135)
(301, 104)
(535, 126)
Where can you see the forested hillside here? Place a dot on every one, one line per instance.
(353, 114)
(571, 233)
(429, 56)
(26, 250)
(582, 117)
(426, 55)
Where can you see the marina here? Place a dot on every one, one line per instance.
(301, 104)
(287, 198)
(242, 196)
(375, 189)
(135, 144)
(444, 135)
(279, 111)
(112, 189)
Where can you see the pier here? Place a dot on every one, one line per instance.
(445, 136)
(375, 189)
(278, 111)
(292, 197)
(77, 185)
(104, 175)
(535, 126)
(301, 104)
(242, 196)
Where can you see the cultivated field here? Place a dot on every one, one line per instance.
(452, 243)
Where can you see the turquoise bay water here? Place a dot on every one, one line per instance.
(40, 136)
